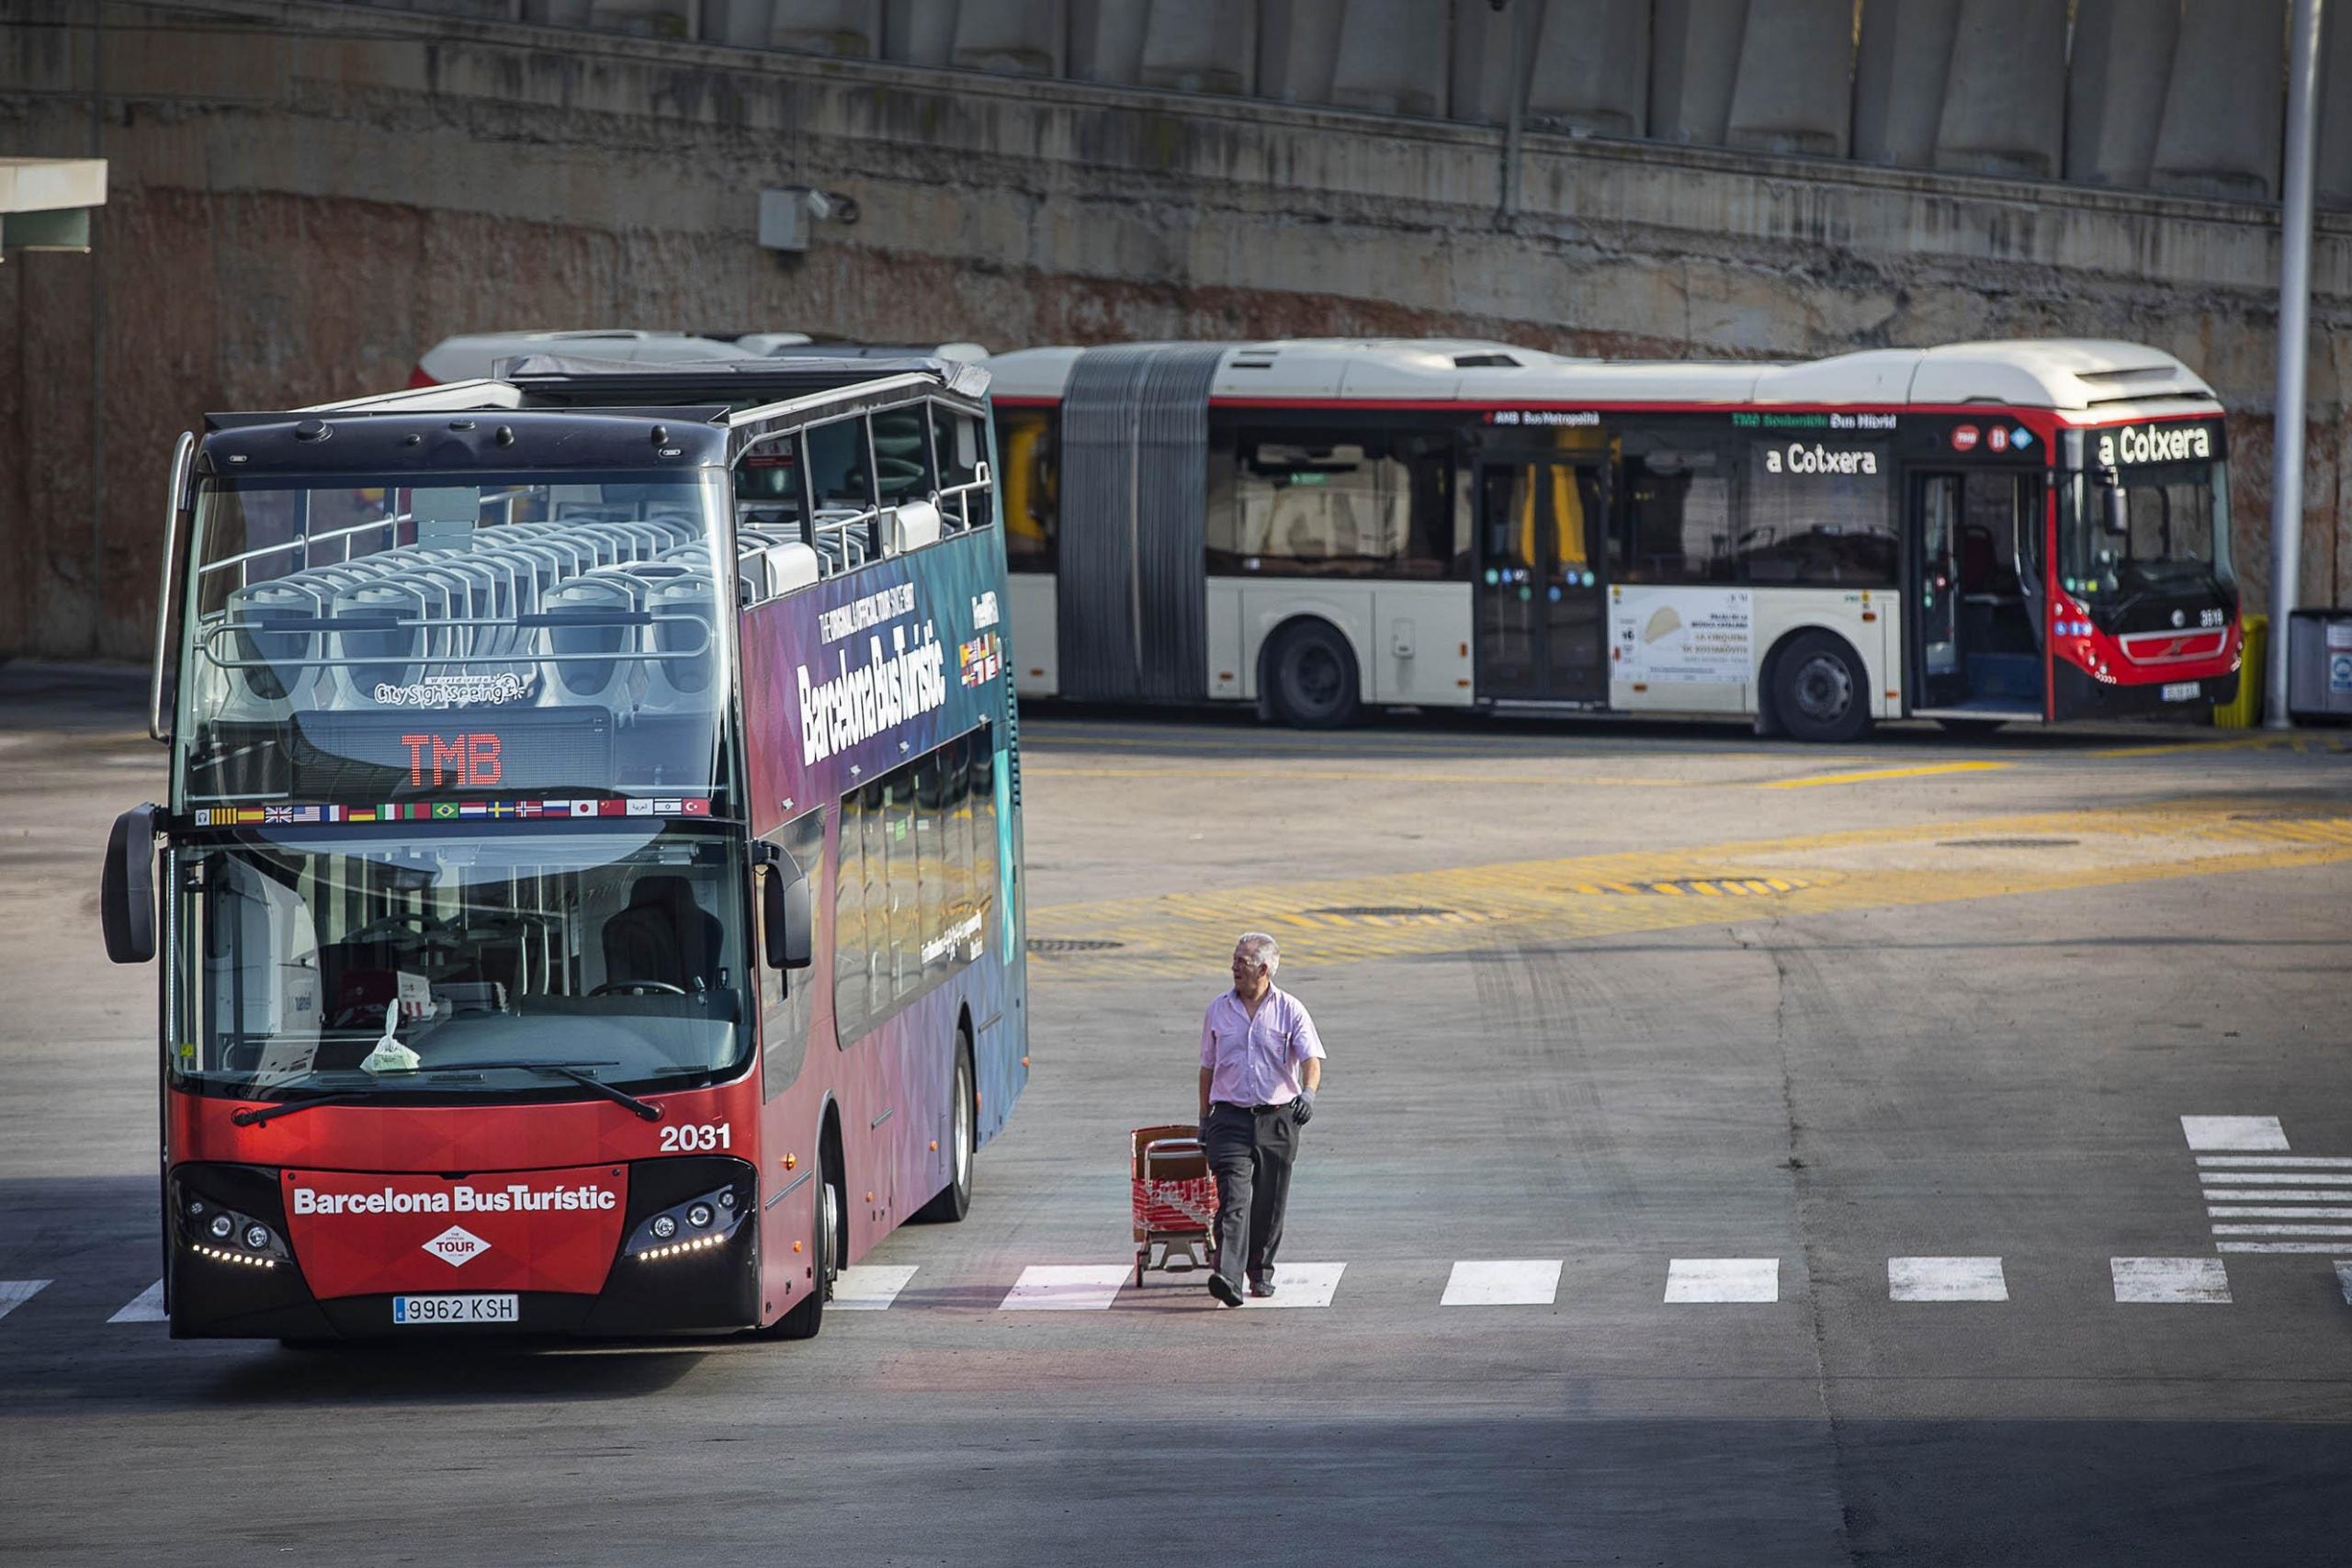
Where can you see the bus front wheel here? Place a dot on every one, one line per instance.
(1820, 691)
(1310, 678)
(804, 1320)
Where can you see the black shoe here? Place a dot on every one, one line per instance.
(1261, 1287)
(1222, 1289)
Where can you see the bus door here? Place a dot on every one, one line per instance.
(1974, 631)
(1542, 611)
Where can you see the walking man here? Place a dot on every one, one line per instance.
(1261, 1064)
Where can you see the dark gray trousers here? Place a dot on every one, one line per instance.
(1251, 1153)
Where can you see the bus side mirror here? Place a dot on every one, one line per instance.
(784, 916)
(2111, 518)
(126, 887)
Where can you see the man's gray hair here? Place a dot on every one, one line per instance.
(1259, 948)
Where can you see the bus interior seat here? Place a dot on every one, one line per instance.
(663, 935)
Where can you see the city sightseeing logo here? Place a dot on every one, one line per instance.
(454, 691)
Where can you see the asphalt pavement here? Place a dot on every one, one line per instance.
(1732, 1152)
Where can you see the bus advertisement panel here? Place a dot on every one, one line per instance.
(589, 898)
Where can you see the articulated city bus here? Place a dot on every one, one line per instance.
(590, 896)
(1980, 533)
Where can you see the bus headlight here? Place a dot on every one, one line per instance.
(716, 1216)
(228, 1237)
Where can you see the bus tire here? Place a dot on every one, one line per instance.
(1309, 676)
(803, 1321)
(955, 1200)
(1820, 691)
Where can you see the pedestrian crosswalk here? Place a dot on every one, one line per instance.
(1471, 1285)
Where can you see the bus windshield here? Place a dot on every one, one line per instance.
(374, 638)
(2176, 539)
(324, 963)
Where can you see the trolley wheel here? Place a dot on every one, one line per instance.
(803, 1321)
(1820, 690)
(1310, 678)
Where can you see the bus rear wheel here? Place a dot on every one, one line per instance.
(804, 1320)
(1820, 691)
(955, 1200)
(1310, 678)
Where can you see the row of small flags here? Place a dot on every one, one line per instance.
(445, 811)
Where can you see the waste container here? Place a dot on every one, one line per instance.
(2319, 664)
(2245, 710)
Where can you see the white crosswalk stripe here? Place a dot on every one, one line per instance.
(1946, 1279)
(147, 1306)
(1723, 1280)
(869, 1287)
(1519, 1282)
(15, 1294)
(1066, 1287)
(2170, 1280)
(2233, 1132)
(1301, 1285)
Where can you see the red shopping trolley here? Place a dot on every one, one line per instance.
(1174, 1201)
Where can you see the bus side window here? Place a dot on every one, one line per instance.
(850, 1009)
(840, 485)
(1675, 518)
(958, 439)
(1029, 448)
(788, 1001)
(901, 455)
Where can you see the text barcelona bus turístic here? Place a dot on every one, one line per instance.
(1980, 533)
(590, 897)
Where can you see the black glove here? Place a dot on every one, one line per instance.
(1302, 1109)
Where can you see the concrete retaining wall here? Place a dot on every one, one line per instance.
(304, 195)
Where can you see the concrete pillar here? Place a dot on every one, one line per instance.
(1106, 40)
(1201, 46)
(1010, 37)
(1899, 79)
(2004, 95)
(2115, 88)
(645, 18)
(1392, 57)
(1478, 78)
(2224, 104)
(1794, 87)
(556, 12)
(1591, 70)
(742, 23)
(916, 32)
(850, 30)
(1298, 47)
(1695, 47)
(2335, 171)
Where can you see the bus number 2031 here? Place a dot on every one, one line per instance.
(694, 1139)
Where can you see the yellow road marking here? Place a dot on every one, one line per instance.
(1875, 774)
(1183, 934)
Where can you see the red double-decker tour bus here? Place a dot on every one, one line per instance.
(589, 900)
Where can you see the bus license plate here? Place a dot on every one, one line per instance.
(409, 1312)
(2181, 692)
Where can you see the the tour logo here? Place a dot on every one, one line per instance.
(896, 684)
(457, 1246)
(454, 691)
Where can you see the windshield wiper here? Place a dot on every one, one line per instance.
(287, 1107)
(644, 1109)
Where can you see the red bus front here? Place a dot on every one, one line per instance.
(2143, 607)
